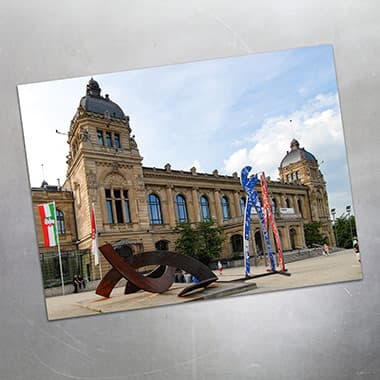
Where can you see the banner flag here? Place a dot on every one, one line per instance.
(94, 236)
(48, 217)
(49, 224)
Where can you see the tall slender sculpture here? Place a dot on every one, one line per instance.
(249, 184)
(268, 216)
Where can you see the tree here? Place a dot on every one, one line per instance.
(313, 234)
(345, 230)
(202, 241)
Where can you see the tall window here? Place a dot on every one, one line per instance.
(287, 203)
(108, 139)
(242, 205)
(60, 222)
(225, 208)
(100, 137)
(154, 205)
(116, 139)
(117, 205)
(126, 207)
(109, 206)
(205, 209)
(181, 208)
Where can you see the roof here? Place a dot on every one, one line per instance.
(95, 102)
(296, 154)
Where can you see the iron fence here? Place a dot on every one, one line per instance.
(73, 263)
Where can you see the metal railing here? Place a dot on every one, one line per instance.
(73, 263)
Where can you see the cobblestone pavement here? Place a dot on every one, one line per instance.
(338, 267)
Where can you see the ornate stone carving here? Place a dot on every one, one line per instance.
(84, 135)
(91, 179)
(115, 167)
(133, 142)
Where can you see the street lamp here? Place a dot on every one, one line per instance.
(348, 211)
(333, 213)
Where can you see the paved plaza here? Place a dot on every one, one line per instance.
(338, 267)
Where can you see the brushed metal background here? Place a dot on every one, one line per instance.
(325, 332)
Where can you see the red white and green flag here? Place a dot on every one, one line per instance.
(49, 224)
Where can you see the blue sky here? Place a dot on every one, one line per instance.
(220, 114)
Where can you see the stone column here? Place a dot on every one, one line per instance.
(196, 205)
(170, 201)
(218, 207)
(237, 204)
(295, 204)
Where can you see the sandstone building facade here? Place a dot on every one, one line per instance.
(141, 206)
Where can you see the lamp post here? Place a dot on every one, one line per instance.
(333, 213)
(348, 211)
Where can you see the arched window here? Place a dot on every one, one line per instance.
(181, 208)
(205, 209)
(242, 205)
(60, 222)
(237, 243)
(225, 208)
(162, 245)
(154, 205)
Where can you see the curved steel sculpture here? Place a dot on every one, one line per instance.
(157, 281)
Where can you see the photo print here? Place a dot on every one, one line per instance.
(189, 182)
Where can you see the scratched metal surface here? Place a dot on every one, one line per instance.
(326, 332)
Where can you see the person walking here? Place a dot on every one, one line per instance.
(76, 284)
(220, 268)
(357, 251)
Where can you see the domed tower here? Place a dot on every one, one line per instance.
(104, 169)
(301, 167)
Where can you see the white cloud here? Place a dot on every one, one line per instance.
(316, 127)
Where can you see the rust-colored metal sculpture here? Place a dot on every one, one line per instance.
(157, 281)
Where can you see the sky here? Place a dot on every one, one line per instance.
(219, 114)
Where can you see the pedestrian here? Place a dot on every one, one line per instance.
(76, 283)
(179, 277)
(357, 251)
(326, 250)
(81, 282)
(220, 267)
